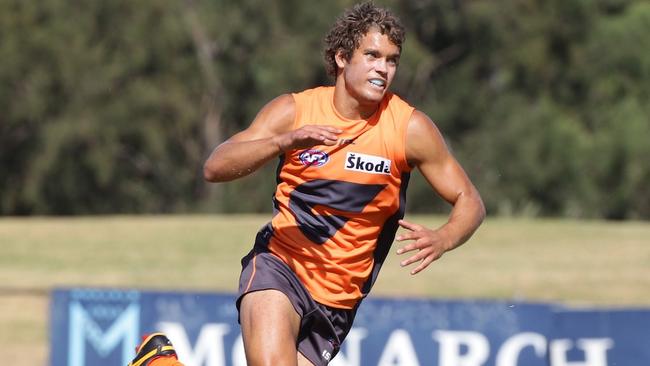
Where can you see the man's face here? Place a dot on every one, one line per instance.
(371, 68)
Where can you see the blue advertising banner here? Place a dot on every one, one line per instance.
(102, 327)
(588, 337)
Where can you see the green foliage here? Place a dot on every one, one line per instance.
(97, 118)
(545, 105)
(112, 107)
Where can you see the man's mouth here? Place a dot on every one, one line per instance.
(378, 82)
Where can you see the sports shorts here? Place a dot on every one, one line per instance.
(322, 328)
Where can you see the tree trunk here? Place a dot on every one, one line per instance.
(211, 103)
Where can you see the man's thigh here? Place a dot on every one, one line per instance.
(303, 361)
(270, 327)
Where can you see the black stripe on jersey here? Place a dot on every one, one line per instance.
(387, 235)
(336, 194)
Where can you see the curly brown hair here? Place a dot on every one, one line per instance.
(352, 25)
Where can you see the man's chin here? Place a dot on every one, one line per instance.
(369, 97)
(374, 97)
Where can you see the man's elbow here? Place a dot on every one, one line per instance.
(480, 208)
(211, 175)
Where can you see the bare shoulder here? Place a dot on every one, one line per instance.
(275, 118)
(278, 114)
(423, 139)
(421, 124)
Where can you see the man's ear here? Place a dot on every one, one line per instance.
(340, 58)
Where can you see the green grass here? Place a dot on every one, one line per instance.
(571, 262)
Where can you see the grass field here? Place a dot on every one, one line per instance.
(581, 263)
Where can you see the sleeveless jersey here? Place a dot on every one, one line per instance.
(337, 207)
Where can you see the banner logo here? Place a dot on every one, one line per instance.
(106, 321)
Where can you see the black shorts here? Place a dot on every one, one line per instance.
(322, 328)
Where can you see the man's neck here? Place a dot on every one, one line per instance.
(351, 107)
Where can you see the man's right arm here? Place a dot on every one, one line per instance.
(269, 135)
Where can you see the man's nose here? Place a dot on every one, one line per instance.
(380, 66)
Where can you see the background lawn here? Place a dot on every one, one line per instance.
(577, 263)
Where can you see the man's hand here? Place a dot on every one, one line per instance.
(430, 245)
(308, 136)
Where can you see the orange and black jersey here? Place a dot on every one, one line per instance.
(337, 207)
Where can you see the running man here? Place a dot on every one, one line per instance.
(345, 155)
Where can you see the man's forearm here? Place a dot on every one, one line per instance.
(232, 160)
(466, 216)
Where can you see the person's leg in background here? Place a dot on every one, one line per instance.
(165, 361)
(155, 350)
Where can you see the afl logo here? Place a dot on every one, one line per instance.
(313, 157)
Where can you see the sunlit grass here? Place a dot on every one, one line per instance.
(591, 263)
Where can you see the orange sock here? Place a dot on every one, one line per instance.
(165, 361)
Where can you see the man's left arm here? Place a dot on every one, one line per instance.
(426, 150)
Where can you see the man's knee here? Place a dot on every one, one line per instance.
(278, 358)
(271, 358)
